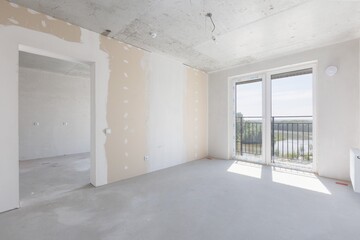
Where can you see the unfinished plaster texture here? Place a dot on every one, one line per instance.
(120, 76)
(246, 31)
(205, 199)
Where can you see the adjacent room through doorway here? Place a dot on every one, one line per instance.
(54, 126)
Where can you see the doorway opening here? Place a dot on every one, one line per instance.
(274, 117)
(54, 127)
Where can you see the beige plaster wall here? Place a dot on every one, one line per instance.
(126, 110)
(195, 122)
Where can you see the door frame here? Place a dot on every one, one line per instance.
(245, 79)
(267, 104)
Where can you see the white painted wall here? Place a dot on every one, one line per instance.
(337, 105)
(166, 133)
(52, 100)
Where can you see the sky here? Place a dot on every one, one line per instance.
(291, 96)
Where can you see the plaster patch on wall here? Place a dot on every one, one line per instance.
(50, 18)
(195, 114)
(11, 14)
(13, 21)
(127, 121)
(32, 11)
(14, 5)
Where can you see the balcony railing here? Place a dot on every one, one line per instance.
(291, 138)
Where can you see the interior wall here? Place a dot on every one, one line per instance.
(147, 109)
(60, 104)
(336, 105)
(126, 85)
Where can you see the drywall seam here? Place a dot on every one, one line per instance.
(195, 114)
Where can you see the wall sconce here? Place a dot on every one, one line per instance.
(331, 71)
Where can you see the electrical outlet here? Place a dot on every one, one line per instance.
(146, 158)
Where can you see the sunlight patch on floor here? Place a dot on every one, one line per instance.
(246, 169)
(308, 181)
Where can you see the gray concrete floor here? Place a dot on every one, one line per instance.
(205, 199)
(50, 178)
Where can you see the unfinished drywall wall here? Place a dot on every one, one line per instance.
(124, 85)
(126, 110)
(336, 105)
(54, 114)
(150, 99)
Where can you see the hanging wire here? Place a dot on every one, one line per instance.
(209, 15)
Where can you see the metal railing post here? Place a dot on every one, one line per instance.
(241, 136)
(272, 137)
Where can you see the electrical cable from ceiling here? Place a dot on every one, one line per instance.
(209, 15)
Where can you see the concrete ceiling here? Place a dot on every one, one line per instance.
(33, 61)
(246, 31)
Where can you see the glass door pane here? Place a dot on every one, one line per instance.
(292, 120)
(249, 125)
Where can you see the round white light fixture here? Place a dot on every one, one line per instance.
(331, 71)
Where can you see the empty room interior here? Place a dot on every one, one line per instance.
(194, 119)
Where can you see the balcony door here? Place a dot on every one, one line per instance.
(249, 120)
(274, 118)
(292, 119)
